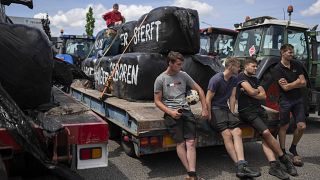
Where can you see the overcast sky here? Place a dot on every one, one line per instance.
(70, 14)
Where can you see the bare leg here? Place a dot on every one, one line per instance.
(238, 145)
(182, 154)
(301, 126)
(268, 152)
(282, 135)
(191, 154)
(271, 143)
(228, 143)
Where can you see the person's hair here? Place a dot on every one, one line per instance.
(173, 56)
(110, 32)
(285, 47)
(231, 61)
(250, 60)
(115, 5)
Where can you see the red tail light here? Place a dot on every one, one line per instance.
(85, 154)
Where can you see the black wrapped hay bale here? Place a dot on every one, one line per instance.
(135, 76)
(87, 66)
(25, 65)
(126, 33)
(101, 71)
(166, 29)
(201, 68)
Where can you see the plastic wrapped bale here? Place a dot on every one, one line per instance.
(126, 33)
(26, 64)
(101, 72)
(135, 75)
(87, 66)
(168, 28)
(104, 39)
(201, 68)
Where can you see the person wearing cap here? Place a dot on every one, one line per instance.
(113, 17)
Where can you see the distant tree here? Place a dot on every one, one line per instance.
(90, 22)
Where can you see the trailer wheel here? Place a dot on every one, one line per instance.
(3, 171)
(128, 146)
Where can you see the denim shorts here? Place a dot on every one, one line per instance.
(296, 107)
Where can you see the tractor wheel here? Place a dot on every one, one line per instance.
(272, 90)
(3, 171)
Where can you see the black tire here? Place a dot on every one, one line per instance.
(3, 171)
(271, 88)
(114, 131)
(128, 147)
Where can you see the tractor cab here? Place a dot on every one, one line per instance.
(74, 48)
(262, 38)
(217, 42)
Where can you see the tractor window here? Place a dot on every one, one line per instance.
(223, 45)
(273, 40)
(79, 47)
(246, 39)
(204, 45)
(298, 40)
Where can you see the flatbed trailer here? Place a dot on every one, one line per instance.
(141, 125)
(73, 134)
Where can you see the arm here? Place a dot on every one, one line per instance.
(106, 16)
(232, 100)
(258, 93)
(204, 111)
(299, 83)
(262, 94)
(249, 89)
(209, 97)
(158, 101)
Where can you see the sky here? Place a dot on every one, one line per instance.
(69, 15)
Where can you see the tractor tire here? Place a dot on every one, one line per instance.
(3, 171)
(271, 88)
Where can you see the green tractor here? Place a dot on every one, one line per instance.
(262, 38)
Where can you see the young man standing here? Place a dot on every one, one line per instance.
(289, 75)
(221, 88)
(169, 96)
(113, 17)
(250, 95)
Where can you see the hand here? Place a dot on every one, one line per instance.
(175, 114)
(283, 81)
(204, 114)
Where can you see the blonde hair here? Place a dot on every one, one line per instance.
(231, 61)
(110, 32)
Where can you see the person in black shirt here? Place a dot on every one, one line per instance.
(221, 89)
(289, 75)
(250, 94)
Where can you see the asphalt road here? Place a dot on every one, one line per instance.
(212, 162)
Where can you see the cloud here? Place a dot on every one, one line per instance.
(204, 9)
(314, 9)
(73, 21)
(250, 1)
